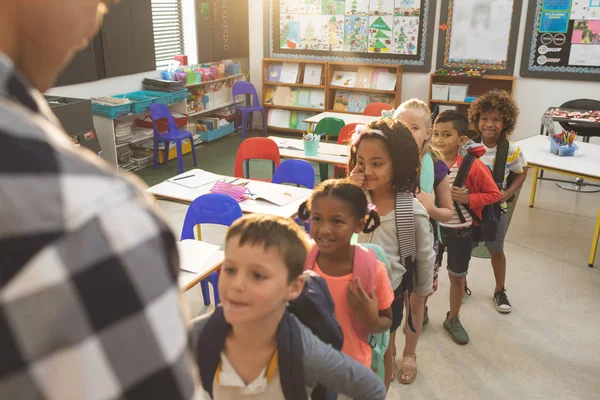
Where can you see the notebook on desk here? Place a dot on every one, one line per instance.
(280, 195)
(194, 254)
(195, 178)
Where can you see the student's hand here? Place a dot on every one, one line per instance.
(505, 195)
(358, 176)
(427, 200)
(459, 196)
(365, 306)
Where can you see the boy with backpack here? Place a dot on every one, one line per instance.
(472, 189)
(494, 115)
(253, 346)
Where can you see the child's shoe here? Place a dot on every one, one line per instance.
(456, 330)
(501, 301)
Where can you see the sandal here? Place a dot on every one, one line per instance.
(408, 373)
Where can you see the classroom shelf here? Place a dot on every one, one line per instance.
(449, 102)
(355, 89)
(316, 110)
(222, 105)
(300, 85)
(216, 80)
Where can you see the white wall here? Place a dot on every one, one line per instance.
(533, 96)
(104, 87)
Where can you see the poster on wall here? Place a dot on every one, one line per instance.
(479, 34)
(364, 31)
(562, 40)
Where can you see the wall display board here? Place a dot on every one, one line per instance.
(479, 34)
(562, 40)
(361, 31)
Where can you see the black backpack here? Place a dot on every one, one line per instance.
(500, 165)
(490, 216)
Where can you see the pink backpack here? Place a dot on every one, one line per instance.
(365, 268)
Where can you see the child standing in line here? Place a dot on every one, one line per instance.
(495, 116)
(416, 116)
(449, 134)
(261, 345)
(337, 210)
(385, 160)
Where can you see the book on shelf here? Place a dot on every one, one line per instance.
(312, 74)
(364, 77)
(317, 99)
(386, 81)
(357, 102)
(342, 98)
(289, 73)
(303, 98)
(279, 118)
(269, 95)
(302, 115)
(375, 76)
(283, 96)
(343, 79)
(378, 98)
(274, 73)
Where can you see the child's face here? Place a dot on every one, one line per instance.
(373, 159)
(333, 222)
(491, 125)
(416, 121)
(446, 139)
(254, 283)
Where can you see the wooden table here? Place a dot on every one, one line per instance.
(329, 153)
(585, 164)
(347, 118)
(172, 191)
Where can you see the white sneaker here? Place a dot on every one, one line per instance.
(501, 301)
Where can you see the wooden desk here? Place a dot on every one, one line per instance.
(347, 118)
(329, 153)
(188, 280)
(585, 164)
(172, 191)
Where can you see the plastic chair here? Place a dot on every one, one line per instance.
(173, 133)
(375, 109)
(210, 208)
(299, 172)
(344, 137)
(247, 111)
(330, 127)
(255, 149)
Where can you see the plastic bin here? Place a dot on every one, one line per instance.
(180, 95)
(124, 156)
(208, 136)
(157, 97)
(111, 112)
(139, 103)
(142, 159)
(562, 150)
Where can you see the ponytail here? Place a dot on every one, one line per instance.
(373, 220)
(303, 211)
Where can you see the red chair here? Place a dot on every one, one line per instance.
(340, 171)
(256, 148)
(375, 109)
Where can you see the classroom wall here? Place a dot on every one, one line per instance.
(533, 96)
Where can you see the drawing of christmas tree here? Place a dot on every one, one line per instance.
(401, 40)
(310, 32)
(283, 35)
(380, 26)
(354, 8)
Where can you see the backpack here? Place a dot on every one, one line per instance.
(405, 232)
(490, 215)
(500, 165)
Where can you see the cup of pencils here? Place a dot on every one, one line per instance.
(562, 144)
(311, 144)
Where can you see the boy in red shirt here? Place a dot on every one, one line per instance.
(479, 190)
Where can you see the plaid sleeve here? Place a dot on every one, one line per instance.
(96, 314)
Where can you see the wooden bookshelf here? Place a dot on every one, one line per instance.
(477, 87)
(270, 86)
(391, 96)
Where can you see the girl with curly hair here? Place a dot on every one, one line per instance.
(494, 116)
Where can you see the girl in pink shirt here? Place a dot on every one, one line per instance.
(338, 209)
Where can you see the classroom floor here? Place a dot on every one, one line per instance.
(547, 348)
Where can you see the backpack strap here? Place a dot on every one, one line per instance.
(459, 181)
(210, 345)
(500, 162)
(405, 231)
(311, 256)
(291, 361)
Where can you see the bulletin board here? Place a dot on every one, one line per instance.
(362, 31)
(562, 40)
(479, 34)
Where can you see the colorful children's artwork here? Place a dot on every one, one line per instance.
(586, 32)
(333, 7)
(310, 32)
(292, 7)
(289, 32)
(332, 33)
(406, 35)
(407, 8)
(357, 7)
(381, 7)
(313, 6)
(380, 34)
(356, 34)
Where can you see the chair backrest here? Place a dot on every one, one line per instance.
(244, 88)
(330, 126)
(212, 208)
(581, 104)
(299, 172)
(346, 133)
(375, 109)
(256, 148)
(161, 111)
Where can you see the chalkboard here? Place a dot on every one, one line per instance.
(562, 40)
(362, 31)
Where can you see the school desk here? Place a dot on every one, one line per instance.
(170, 190)
(188, 280)
(329, 153)
(585, 164)
(347, 118)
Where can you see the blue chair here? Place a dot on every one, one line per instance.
(173, 133)
(211, 208)
(297, 172)
(247, 111)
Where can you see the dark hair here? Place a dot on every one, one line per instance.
(495, 101)
(458, 119)
(402, 149)
(273, 232)
(348, 192)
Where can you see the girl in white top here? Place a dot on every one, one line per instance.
(385, 160)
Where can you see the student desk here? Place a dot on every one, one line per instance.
(585, 164)
(329, 153)
(188, 280)
(172, 191)
(347, 118)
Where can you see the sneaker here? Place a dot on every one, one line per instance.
(426, 317)
(456, 330)
(501, 301)
(466, 293)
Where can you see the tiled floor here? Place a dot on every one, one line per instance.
(548, 347)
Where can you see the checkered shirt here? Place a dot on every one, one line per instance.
(89, 302)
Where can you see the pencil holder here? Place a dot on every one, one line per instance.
(562, 150)
(311, 147)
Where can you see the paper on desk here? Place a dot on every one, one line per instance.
(280, 195)
(197, 178)
(194, 254)
(285, 144)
